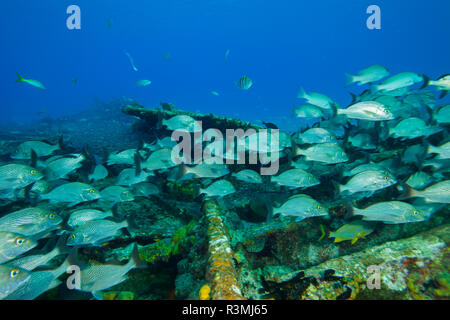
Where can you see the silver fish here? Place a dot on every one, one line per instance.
(128, 177)
(325, 152)
(368, 181)
(42, 149)
(247, 175)
(370, 74)
(316, 99)
(442, 151)
(145, 189)
(13, 245)
(295, 178)
(38, 283)
(438, 192)
(391, 212)
(30, 221)
(367, 110)
(16, 176)
(96, 232)
(79, 217)
(181, 122)
(308, 111)
(219, 188)
(116, 194)
(72, 193)
(11, 278)
(401, 80)
(301, 206)
(31, 262)
(315, 135)
(99, 173)
(60, 168)
(95, 278)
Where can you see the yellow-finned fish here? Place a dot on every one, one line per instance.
(31, 82)
(352, 231)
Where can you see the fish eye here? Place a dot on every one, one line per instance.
(386, 178)
(73, 236)
(52, 216)
(319, 207)
(33, 172)
(20, 241)
(91, 191)
(416, 213)
(14, 273)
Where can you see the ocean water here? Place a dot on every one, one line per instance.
(194, 53)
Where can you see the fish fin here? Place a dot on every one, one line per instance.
(443, 94)
(426, 81)
(106, 155)
(137, 162)
(131, 224)
(135, 260)
(19, 78)
(408, 192)
(32, 199)
(336, 240)
(354, 240)
(301, 93)
(34, 158)
(72, 259)
(60, 246)
(97, 295)
(334, 110)
(61, 145)
(322, 229)
(354, 97)
(350, 211)
(140, 145)
(349, 79)
(160, 120)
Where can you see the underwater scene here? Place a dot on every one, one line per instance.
(224, 150)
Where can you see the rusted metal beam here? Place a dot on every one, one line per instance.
(221, 274)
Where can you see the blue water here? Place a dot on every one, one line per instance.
(281, 45)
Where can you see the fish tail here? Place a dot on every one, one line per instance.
(443, 94)
(20, 79)
(135, 259)
(60, 247)
(349, 79)
(160, 122)
(426, 81)
(408, 192)
(198, 191)
(130, 223)
(374, 88)
(301, 93)
(354, 97)
(350, 210)
(323, 233)
(60, 145)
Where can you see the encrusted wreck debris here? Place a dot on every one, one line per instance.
(151, 117)
(221, 273)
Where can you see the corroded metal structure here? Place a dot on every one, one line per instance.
(221, 273)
